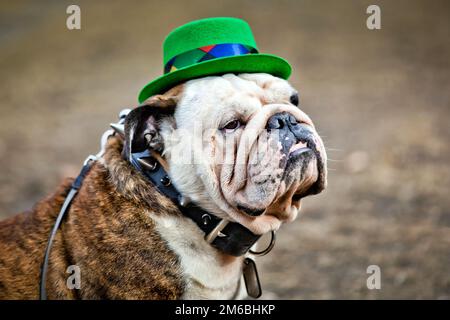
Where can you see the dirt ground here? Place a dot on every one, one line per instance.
(380, 99)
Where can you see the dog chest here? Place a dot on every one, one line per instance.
(208, 274)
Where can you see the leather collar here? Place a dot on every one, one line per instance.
(229, 237)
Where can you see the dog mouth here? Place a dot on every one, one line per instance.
(307, 151)
(297, 160)
(297, 150)
(251, 212)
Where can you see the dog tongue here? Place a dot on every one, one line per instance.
(297, 146)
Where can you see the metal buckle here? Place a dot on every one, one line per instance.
(216, 232)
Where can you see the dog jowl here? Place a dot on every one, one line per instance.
(237, 146)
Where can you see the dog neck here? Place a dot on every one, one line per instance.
(230, 238)
(201, 262)
(128, 183)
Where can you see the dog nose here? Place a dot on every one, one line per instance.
(281, 120)
(289, 130)
(284, 125)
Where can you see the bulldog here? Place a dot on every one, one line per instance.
(236, 146)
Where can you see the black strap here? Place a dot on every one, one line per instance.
(76, 185)
(234, 239)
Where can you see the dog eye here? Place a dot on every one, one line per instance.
(232, 125)
(294, 99)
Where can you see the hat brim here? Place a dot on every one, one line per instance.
(250, 63)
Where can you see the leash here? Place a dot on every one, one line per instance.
(76, 185)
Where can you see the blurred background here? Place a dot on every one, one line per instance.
(380, 99)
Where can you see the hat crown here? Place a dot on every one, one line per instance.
(206, 32)
(212, 46)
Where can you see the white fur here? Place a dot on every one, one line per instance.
(206, 274)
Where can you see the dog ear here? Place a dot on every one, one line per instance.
(142, 124)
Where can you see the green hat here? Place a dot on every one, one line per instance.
(209, 47)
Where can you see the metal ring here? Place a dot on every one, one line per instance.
(266, 250)
(90, 158)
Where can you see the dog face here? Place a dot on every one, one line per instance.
(236, 145)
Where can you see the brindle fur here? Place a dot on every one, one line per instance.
(107, 233)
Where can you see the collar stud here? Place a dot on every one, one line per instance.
(206, 218)
(165, 181)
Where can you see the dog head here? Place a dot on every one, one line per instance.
(236, 145)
